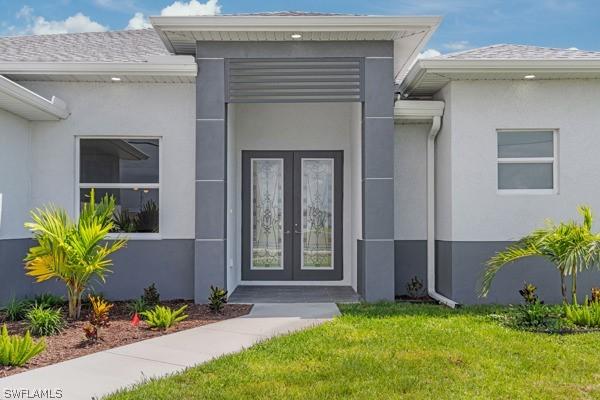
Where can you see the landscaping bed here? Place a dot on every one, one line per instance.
(71, 342)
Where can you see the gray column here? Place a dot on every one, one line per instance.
(211, 185)
(377, 248)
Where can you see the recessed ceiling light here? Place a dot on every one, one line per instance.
(529, 77)
(296, 36)
(115, 79)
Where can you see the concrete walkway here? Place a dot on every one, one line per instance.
(98, 374)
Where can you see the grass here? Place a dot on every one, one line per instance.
(397, 351)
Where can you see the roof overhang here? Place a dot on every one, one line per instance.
(156, 69)
(180, 34)
(427, 76)
(417, 110)
(23, 102)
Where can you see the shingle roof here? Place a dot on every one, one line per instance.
(521, 52)
(115, 46)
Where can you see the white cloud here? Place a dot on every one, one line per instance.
(138, 21)
(429, 53)
(458, 46)
(193, 7)
(38, 25)
(177, 8)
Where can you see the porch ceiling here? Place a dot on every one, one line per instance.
(409, 34)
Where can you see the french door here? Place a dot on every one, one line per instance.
(292, 215)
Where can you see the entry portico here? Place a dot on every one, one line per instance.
(295, 146)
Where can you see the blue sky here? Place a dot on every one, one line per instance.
(467, 23)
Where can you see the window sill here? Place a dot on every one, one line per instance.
(134, 236)
(526, 192)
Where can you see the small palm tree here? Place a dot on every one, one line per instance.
(570, 246)
(70, 251)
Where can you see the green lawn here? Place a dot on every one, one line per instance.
(397, 351)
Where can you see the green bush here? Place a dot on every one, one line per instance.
(586, 314)
(48, 300)
(44, 321)
(16, 350)
(163, 317)
(15, 310)
(137, 306)
(151, 296)
(217, 299)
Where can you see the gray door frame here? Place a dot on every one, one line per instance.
(375, 247)
(292, 216)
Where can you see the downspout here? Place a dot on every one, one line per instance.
(435, 128)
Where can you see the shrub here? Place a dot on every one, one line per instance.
(414, 287)
(44, 321)
(70, 251)
(137, 306)
(48, 300)
(15, 310)
(16, 350)
(99, 317)
(151, 296)
(217, 299)
(586, 314)
(163, 317)
(99, 314)
(528, 293)
(595, 294)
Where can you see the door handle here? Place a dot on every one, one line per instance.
(287, 232)
(296, 232)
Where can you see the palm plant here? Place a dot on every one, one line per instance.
(71, 251)
(572, 247)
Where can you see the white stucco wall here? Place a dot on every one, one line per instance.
(15, 185)
(332, 126)
(410, 181)
(157, 110)
(478, 108)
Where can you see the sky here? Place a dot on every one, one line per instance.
(466, 24)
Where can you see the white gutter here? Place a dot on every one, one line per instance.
(424, 111)
(166, 66)
(30, 105)
(435, 128)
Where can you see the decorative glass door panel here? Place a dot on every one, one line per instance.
(317, 213)
(267, 213)
(291, 215)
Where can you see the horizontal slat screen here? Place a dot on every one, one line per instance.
(294, 80)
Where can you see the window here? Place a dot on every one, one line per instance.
(527, 161)
(128, 169)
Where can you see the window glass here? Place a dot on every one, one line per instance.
(136, 211)
(525, 176)
(525, 144)
(128, 170)
(119, 161)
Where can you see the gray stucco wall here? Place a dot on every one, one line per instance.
(467, 263)
(410, 261)
(168, 263)
(460, 267)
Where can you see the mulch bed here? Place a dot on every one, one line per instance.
(71, 342)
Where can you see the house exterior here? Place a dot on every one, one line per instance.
(297, 149)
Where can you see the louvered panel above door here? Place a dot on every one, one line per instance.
(294, 80)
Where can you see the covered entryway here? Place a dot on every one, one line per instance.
(333, 73)
(292, 215)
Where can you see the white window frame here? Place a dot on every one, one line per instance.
(79, 185)
(530, 160)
